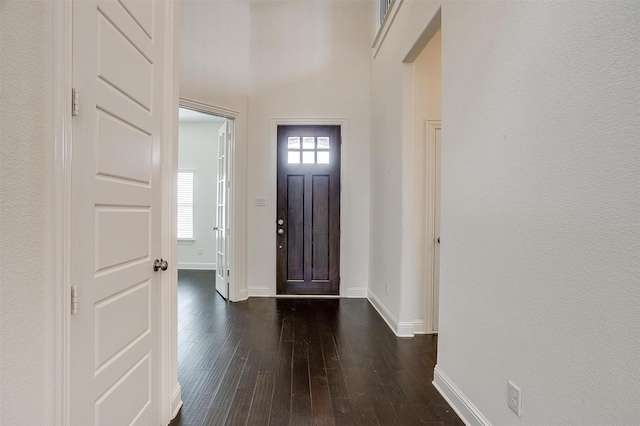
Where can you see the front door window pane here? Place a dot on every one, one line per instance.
(294, 143)
(294, 157)
(323, 143)
(323, 157)
(308, 157)
(309, 143)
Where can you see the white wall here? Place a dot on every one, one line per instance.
(198, 151)
(214, 70)
(540, 204)
(540, 209)
(26, 283)
(309, 60)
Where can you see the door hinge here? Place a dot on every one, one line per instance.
(74, 299)
(227, 272)
(75, 102)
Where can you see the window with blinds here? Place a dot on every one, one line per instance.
(384, 8)
(185, 205)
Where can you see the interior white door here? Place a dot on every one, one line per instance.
(436, 215)
(116, 233)
(221, 213)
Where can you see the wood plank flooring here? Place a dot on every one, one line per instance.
(295, 362)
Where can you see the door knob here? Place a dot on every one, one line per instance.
(280, 222)
(216, 228)
(160, 264)
(280, 231)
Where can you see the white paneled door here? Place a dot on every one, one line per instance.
(222, 206)
(116, 234)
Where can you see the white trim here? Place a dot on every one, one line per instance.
(242, 295)
(60, 128)
(169, 210)
(355, 293)
(419, 327)
(197, 266)
(260, 292)
(399, 329)
(431, 127)
(176, 401)
(273, 199)
(467, 412)
(208, 109)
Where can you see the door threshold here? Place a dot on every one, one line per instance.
(307, 296)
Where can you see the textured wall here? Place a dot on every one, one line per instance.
(26, 326)
(540, 260)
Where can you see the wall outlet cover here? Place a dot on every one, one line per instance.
(515, 399)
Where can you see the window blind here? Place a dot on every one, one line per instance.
(185, 204)
(384, 8)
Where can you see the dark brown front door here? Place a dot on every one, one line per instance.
(308, 239)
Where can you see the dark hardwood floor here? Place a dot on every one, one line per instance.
(271, 361)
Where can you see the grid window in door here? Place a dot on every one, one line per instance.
(312, 150)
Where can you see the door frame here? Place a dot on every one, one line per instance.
(60, 156)
(430, 302)
(233, 290)
(270, 290)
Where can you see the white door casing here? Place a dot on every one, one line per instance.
(221, 213)
(115, 368)
(433, 132)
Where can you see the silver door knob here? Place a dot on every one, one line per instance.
(280, 231)
(160, 264)
(280, 222)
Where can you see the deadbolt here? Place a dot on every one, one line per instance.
(160, 264)
(280, 222)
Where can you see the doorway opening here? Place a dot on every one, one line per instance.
(203, 199)
(424, 68)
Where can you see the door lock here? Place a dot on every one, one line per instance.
(160, 264)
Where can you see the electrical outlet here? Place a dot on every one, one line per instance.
(515, 399)
(386, 286)
(200, 251)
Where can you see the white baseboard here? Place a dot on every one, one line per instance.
(399, 329)
(419, 327)
(355, 293)
(204, 266)
(259, 292)
(405, 329)
(176, 401)
(469, 414)
(243, 294)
